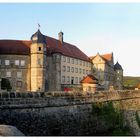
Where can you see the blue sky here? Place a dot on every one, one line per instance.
(93, 27)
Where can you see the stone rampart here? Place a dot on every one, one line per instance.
(61, 113)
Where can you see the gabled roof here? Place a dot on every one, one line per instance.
(89, 79)
(117, 66)
(22, 47)
(106, 57)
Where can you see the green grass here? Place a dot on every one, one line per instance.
(131, 82)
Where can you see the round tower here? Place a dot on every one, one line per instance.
(38, 61)
(118, 76)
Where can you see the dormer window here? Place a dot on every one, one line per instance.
(39, 48)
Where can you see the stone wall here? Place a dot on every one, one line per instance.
(65, 113)
(24, 80)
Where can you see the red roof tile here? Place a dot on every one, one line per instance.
(89, 79)
(106, 57)
(53, 46)
(14, 47)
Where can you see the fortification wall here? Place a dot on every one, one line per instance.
(61, 113)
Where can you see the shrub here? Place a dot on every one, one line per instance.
(113, 119)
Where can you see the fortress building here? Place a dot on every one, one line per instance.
(47, 64)
(106, 72)
(42, 63)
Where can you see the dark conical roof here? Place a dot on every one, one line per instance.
(40, 38)
(117, 66)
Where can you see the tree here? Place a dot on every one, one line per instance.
(5, 84)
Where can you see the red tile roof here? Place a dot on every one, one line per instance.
(14, 47)
(106, 57)
(89, 79)
(66, 49)
(22, 47)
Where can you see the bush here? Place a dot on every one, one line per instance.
(5, 84)
(113, 119)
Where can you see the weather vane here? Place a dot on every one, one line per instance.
(38, 26)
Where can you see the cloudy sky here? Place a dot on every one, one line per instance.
(93, 27)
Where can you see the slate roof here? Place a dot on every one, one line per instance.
(40, 37)
(22, 47)
(117, 66)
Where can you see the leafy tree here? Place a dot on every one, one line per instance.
(5, 84)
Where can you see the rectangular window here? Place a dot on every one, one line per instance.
(72, 80)
(68, 79)
(39, 61)
(7, 62)
(72, 61)
(64, 68)
(72, 69)
(39, 48)
(17, 62)
(63, 79)
(19, 74)
(87, 64)
(83, 71)
(80, 62)
(76, 80)
(76, 70)
(76, 61)
(22, 62)
(86, 71)
(80, 79)
(68, 59)
(83, 63)
(64, 59)
(19, 84)
(8, 74)
(80, 70)
(68, 68)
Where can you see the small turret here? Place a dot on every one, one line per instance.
(117, 66)
(38, 37)
(118, 76)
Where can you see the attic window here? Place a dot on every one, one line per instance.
(39, 48)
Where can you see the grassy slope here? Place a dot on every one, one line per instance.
(131, 81)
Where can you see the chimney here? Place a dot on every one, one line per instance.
(60, 35)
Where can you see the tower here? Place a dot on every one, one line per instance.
(118, 76)
(38, 61)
